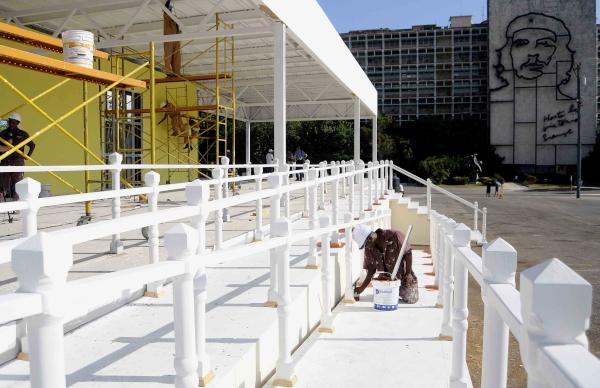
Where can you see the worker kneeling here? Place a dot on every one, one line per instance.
(382, 250)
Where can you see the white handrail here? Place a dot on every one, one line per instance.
(549, 321)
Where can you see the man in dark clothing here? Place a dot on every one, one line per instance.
(13, 135)
(382, 248)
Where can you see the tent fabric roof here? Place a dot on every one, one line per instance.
(323, 77)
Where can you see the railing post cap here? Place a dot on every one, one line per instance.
(462, 235)
(351, 168)
(115, 158)
(152, 178)
(556, 302)
(499, 261)
(376, 163)
(224, 160)
(324, 220)
(181, 241)
(197, 192)
(41, 261)
(360, 164)
(217, 173)
(274, 180)
(307, 162)
(258, 170)
(281, 227)
(28, 188)
(370, 164)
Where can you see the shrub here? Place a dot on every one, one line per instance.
(438, 168)
(529, 179)
(459, 180)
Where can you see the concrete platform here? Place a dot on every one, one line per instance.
(372, 348)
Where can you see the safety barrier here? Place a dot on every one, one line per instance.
(548, 315)
(42, 260)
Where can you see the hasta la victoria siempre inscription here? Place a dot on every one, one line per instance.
(534, 72)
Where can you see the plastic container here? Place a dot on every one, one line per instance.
(386, 294)
(78, 48)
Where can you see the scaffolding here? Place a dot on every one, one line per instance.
(203, 129)
(127, 125)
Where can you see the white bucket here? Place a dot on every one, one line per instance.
(78, 47)
(386, 294)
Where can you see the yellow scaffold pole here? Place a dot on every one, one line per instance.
(152, 106)
(56, 122)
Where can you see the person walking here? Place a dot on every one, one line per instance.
(299, 158)
(13, 135)
(497, 185)
(488, 189)
(382, 248)
(269, 160)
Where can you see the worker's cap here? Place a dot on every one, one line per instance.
(270, 150)
(360, 234)
(163, 104)
(15, 116)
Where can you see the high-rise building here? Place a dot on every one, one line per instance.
(426, 70)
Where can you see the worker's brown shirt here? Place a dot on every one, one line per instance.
(14, 137)
(384, 261)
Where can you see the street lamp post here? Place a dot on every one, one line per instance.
(577, 72)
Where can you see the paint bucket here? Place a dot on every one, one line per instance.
(78, 48)
(45, 190)
(386, 294)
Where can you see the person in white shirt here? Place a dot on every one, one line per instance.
(269, 160)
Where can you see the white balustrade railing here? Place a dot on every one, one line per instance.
(431, 186)
(42, 260)
(548, 316)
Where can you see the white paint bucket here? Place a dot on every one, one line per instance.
(78, 47)
(386, 294)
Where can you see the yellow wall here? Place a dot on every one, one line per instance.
(55, 148)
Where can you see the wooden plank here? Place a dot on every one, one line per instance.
(197, 77)
(192, 108)
(36, 39)
(24, 59)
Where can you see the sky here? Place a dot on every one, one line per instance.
(347, 15)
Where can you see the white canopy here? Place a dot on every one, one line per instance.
(322, 79)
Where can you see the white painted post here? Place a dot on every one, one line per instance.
(217, 174)
(459, 377)
(29, 191)
(351, 198)
(335, 171)
(287, 194)
(258, 231)
(284, 372)
(349, 294)
(475, 216)
(279, 90)
(361, 188)
(374, 140)
(376, 180)
(499, 267)
(326, 278)
(181, 242)
(370, 183)
(391, 176)
(225, 186)
(440, 270)
(484, 226)
(275, 181)
(428, 196)
(432, 243)
(556, 305)
(115, 159)
(356, 129)
(197, 194)
(343, 180)
(448, 228)
(311, 262)
(248, 169)
(305, 167)
(382, 180)
(321, 189)
(152, 180)
(41, 264)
